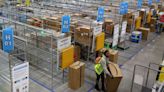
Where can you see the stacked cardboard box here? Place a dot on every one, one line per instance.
(115, 81)
(52, 23)
(83, 35)
(35, 22)
(113, 55)
(76, 75)
(109, 26)
(145, 32)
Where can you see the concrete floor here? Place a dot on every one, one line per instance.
(149, 51)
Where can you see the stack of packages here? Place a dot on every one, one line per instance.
(129, 17)
(76, 75)
(83, 35)
(35, 22)
(108, 26)
(52, 23)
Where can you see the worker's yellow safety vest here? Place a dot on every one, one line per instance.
(98, 68)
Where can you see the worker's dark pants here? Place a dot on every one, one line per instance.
(102, 80)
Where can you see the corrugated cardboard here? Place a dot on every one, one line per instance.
(113, 84)
(113, 55)
(108, 21)
(76, 75)
(145, 32)
(83, 35)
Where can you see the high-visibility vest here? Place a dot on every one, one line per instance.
(98, 66)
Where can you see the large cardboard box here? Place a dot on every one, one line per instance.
(112, 84)
(83, 35)
(108, 26)
(108, 21)
(113, 55)
(76, 75)
(145, 32)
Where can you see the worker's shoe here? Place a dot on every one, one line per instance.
(97, 88)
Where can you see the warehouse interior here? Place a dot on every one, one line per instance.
(53, 45)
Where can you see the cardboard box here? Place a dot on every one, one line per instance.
(113, 55)
(109, 28)
(76, 75)
(145, 32)
(83, 35)
(108, 21)
(113, 84)
(77, 52)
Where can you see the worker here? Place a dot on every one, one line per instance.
(160, 22)
(101, 69)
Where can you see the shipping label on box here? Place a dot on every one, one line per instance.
(63, 43)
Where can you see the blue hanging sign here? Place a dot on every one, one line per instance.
(123, 8)
(65, 24)
(150, 2)
(100, 14)
(7, 39)
(139, 4)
